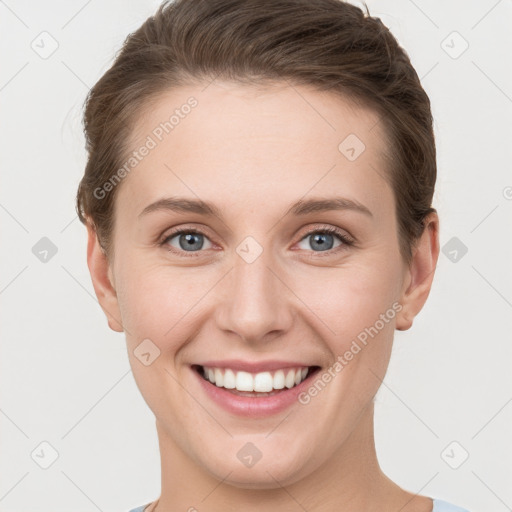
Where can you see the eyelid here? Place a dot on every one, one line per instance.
(327, 228)
(178, 231)
(346, 239)
(173, 231)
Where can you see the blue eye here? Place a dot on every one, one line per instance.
(324, 239)
(191, 241)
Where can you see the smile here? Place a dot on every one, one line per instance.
(263, 382)
(253, 389)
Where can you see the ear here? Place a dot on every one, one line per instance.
(420, 273)
(102, 280)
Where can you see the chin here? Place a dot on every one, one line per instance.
(275, 470)
(262, 478)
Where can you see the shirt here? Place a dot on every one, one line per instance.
(439, 506)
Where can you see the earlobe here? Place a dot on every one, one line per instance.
(102, 280)
(403, 322)
(420, 273)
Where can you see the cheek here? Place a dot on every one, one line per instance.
(148, 302)
(351, 298)
(157, 304)
(161, 303)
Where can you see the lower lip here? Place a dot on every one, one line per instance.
(253, 407)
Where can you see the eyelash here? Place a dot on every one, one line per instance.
(346, 241)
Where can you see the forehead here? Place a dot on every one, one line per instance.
(250, 146)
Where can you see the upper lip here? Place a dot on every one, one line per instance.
(253, 366)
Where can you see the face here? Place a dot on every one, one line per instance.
(293, 275)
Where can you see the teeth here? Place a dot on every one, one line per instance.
(263, 382)
(278, 382)
(289, 380)
(219, 377)
(244, 382)
(229, 379)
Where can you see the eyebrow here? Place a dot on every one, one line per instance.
(301, 207)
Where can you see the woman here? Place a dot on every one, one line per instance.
(258, 203)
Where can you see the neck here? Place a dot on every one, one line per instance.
(350, 479)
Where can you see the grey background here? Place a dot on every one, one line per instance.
(65, 377)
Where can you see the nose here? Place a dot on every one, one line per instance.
(256, 303)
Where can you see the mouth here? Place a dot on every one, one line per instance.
(256, 385)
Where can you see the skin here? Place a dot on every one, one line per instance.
(253, 152)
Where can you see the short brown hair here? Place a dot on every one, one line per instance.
(329, 44)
